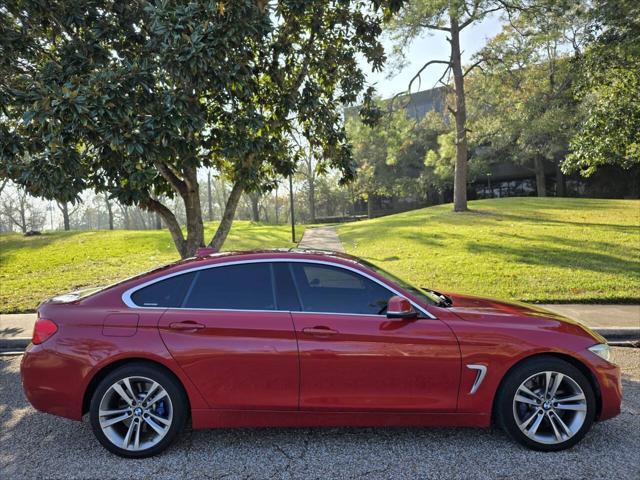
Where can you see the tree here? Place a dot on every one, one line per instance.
(390, 155)
(66, 214)
(132, 98)
(22, 211)
(609, 90)
(451, 17)
(522, 106)
(254, 200)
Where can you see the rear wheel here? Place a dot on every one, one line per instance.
(546, 404)
(137, 410)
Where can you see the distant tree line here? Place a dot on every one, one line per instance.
(559, 84)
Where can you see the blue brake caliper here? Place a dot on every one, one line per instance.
(160, 411)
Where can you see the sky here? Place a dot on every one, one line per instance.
(431, 46)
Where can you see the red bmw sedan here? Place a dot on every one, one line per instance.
(306, 338)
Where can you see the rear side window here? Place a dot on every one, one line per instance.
(235, 287)
(329, 289)
(165, 293)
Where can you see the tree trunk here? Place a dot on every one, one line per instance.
(64, 209)
(369, 206)
(109, 211)
(312, 189)
(560, 187)
(209, 196)
(125, 216)
(540, 180)
(312, 200)
(193, 211)
(142, 219)
(254, 198)
(460, 176)
(23, 216)
(227, 217)
(171, 222)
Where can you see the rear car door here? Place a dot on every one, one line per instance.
(228, 336)
(352, 358)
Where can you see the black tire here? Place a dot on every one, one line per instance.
(178, 401)
(505, 409)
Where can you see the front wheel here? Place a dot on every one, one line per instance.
(137, 410)
(546, 404)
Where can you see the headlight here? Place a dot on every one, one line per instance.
(603, 351)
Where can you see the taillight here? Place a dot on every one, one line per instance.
(43, 330)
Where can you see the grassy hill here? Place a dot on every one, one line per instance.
(532, 249)
(34, 268)
(540, 250)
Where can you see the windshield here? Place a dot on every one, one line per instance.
(424, 295)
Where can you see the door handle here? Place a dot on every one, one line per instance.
(187, 326)
(319, 331)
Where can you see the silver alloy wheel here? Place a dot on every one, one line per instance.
(549, 407)
(135, 413)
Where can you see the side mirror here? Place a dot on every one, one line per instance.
(400, 307)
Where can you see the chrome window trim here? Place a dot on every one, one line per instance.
(126, 296)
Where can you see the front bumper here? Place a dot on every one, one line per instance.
(609, 382)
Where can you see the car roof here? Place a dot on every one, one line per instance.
(278, 252)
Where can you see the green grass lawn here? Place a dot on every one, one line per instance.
(34, 268)
(532, 249)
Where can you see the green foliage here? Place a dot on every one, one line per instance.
(34, 268)
(132, 97)
(522, 107)
(442, 161)
(609, 88)
(381, 152)
(531, 249)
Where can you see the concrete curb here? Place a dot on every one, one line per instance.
(15, 343)
(619, 334)
(614, 335)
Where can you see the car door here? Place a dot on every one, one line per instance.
(352, 358)
(231, 340)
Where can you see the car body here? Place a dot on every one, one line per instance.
(279, 338)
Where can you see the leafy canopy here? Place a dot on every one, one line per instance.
(132, 97)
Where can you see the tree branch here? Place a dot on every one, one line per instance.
(476, 64)
(176, 183)
(424, 67)
(435, 27)
(477, 16)
(170, 220)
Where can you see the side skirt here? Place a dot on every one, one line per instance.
(269, 418)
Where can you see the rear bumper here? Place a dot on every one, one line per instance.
(50, 384)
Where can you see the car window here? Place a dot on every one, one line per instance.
(236, 287)
(165, 293)
(324, 288)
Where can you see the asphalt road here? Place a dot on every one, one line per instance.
(36, 445)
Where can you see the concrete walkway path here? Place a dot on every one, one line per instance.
(321, 238)
(603, 316)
